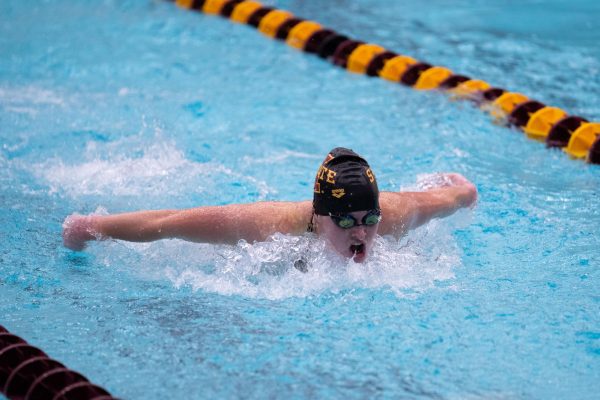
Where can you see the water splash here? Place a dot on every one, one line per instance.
(132, 167)
(267, 269)
(430, 181)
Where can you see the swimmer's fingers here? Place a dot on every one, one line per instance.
(468, 197)
(472, 198)
(457, 179)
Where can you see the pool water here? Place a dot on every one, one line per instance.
(112, 106)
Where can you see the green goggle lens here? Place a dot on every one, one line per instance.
(373, 217)
(345, 223)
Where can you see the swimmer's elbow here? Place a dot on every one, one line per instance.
(426, 206)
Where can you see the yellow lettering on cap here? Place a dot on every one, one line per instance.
(328, 158)
(330, 176)
(338, 193)
(370, 175)
(317, 188)
(321, 173)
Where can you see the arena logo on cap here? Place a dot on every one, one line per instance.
(338, 193)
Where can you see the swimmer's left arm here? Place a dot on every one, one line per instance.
(403, 211)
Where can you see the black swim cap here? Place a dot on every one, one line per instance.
(345, 183)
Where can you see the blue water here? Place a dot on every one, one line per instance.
(111, 106)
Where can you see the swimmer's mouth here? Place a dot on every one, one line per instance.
(357, 248)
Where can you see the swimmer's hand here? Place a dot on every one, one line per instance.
(467, 194)
(77, 230)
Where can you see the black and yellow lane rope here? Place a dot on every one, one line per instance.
(27, 373)
(577, 136)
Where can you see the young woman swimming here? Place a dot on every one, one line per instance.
(347, 211)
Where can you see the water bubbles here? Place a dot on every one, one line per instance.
(152, 174)
(269, 269)
(430, 181)
(156, 174)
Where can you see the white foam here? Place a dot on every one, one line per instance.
(159, 170)
(430, 181)
(266, 270)
(22, 110)
(23, 97)
(132, 167)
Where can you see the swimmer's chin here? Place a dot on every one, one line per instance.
(359, 258)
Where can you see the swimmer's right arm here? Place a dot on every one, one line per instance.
(212, 224)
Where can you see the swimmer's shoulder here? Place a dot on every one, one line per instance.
(296, 216)
(291, 217)
(396, 213)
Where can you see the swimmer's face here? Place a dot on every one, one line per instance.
(355, 242)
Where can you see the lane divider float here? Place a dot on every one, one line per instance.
(575, 135)
(27, 373)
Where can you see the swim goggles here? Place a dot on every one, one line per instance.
(347, 221)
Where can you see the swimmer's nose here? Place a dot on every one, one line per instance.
(359, 232)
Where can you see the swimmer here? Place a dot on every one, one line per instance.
(347, 211)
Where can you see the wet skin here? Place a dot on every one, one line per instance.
(402, 211)
(355, 242)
